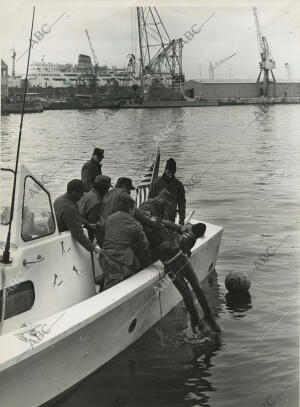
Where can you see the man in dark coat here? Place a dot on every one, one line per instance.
(126, 248)
(68, 216)
(173, 249)
(175, 187)
(91, 205)
(157, 207)
(92, 168)
(111, 200)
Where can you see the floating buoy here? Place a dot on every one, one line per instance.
(237, 282)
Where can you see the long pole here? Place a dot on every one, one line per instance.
(141, 48)
(6, 253)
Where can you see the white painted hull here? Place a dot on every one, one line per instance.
(82, 338)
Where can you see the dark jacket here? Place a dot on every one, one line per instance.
(69, 218)
(155, 233)
(111, 201)
(176, 189)
(111, 205)
(152, 207)
(125, 240)
(91, 206)
(89, 172)
(185, 242)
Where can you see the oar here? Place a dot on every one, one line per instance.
(189, 217)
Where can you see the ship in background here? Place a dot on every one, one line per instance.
(156, 75)
(47, 74)
(154, 78)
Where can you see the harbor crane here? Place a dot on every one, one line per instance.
(96, 63)
(266, 64)
(131, 68)
(160, 57)
(212, 67)
(13, 73)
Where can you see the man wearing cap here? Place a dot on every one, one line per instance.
(126, 248)
(68, 216)
(112, 198)
(91, 205)
(92, 168)
(175, 187)
(173, 249)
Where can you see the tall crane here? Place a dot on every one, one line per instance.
(160, 56)
(96, 63)
(212, 67)
(13, 73)
(130, 71)
(266, 64)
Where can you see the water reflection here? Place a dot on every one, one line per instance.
(238, 304)
(197, 378)
(197, 375)
(264, 118)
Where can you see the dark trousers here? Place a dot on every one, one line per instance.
(182, 273)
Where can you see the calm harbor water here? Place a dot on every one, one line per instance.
(245, 179)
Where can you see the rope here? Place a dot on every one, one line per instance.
(161, 335)
(166, 262)
(160, 322)
(3, 303)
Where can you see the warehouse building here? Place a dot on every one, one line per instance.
(237, 89)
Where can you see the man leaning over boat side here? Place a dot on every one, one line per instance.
(175, 187)
(174, 251)
(68, 216)
(91, 206)
(155, 209)
(172, 245)
(92, 168)
(126, 248)
(112, 199)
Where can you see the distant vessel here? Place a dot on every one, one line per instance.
(13, 104)
(47, 74)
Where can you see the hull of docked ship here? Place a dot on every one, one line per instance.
(30, 107)
(69, 330)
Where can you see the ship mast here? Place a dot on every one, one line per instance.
(13, 72)
(6, 254)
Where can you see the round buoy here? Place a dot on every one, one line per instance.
(237, 282)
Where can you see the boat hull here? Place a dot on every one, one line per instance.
(84, 337)
(30, 107)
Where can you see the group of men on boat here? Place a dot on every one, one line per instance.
(129, 238)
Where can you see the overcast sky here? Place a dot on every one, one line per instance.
(112, 29)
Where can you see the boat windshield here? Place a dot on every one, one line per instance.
(6, 187)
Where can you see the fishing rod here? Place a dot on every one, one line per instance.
(6, 254)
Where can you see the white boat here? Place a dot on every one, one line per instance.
(57, 330)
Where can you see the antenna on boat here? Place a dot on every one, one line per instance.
(6, 253)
